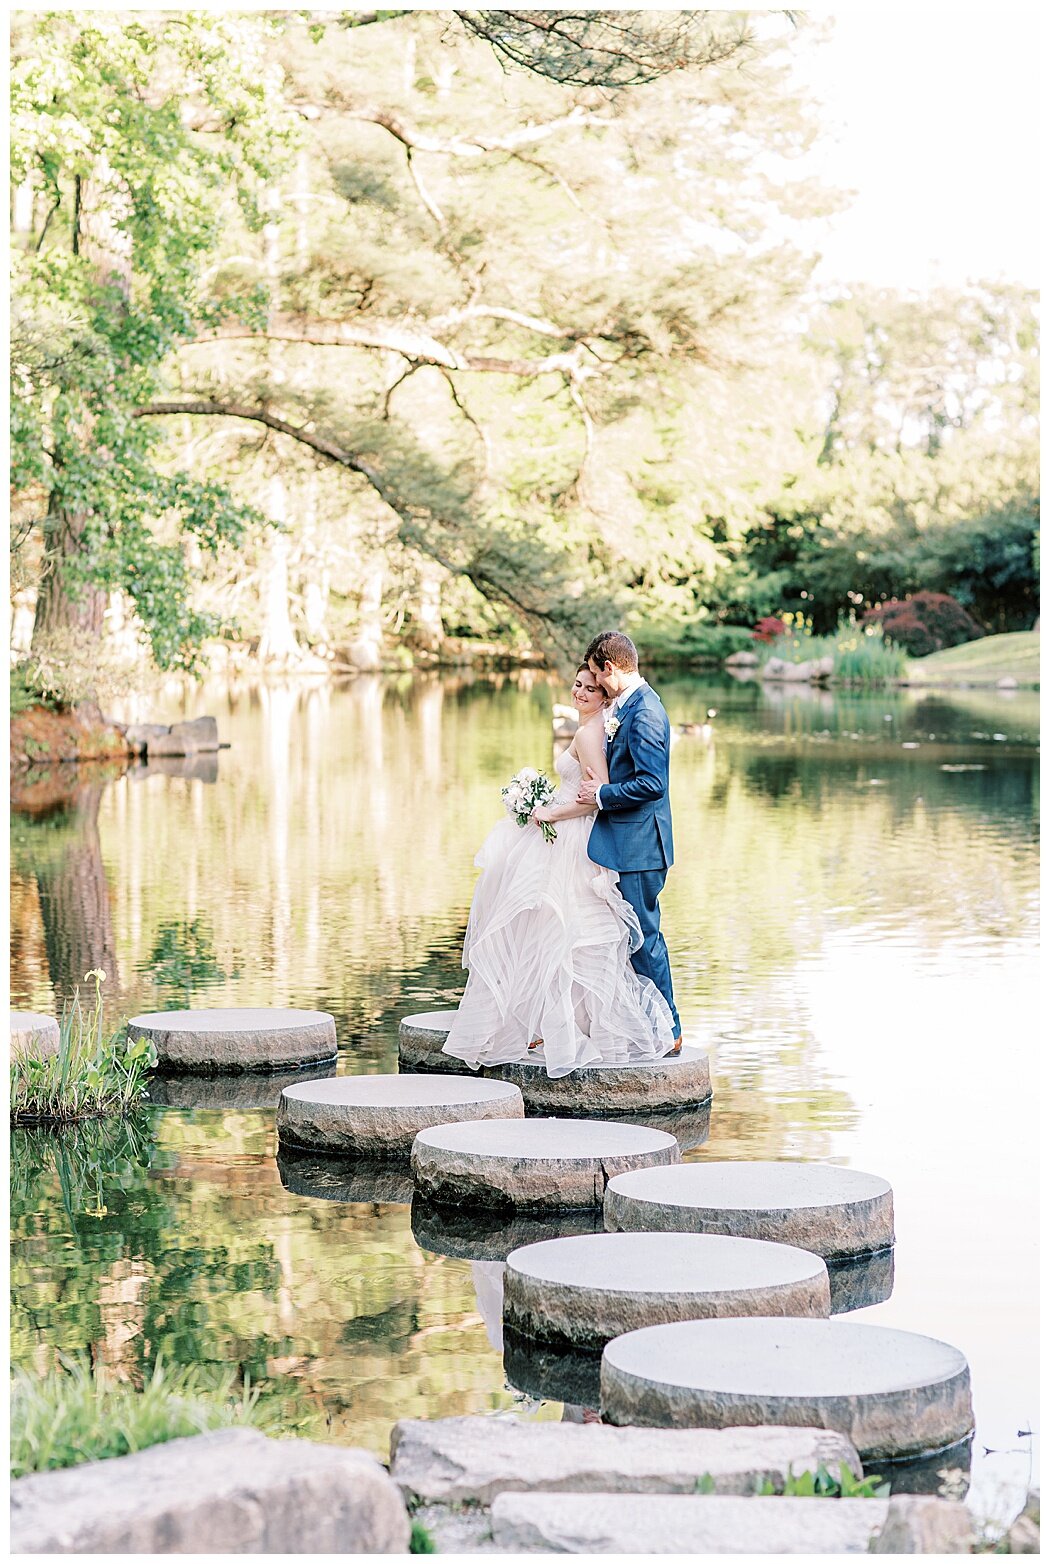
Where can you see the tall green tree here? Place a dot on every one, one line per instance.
(136, 138)
(498, 295)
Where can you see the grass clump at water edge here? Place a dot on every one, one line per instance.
(861, 654)
(76, 1413)
(93, 1073)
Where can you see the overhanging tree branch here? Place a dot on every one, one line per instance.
(413, 517)
(465, 146)
(418, 346)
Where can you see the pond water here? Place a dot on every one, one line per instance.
(852, 927)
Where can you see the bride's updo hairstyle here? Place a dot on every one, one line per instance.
(612, 646)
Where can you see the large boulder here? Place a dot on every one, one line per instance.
(792, 673)
(233, 1491)
(140, 735)
(185, 738)
(920, 1523)
(694, 1524)
(742, 660)
(455, 1460)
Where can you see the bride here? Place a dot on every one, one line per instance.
(549, 937)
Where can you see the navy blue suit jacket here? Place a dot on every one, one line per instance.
(632, 830)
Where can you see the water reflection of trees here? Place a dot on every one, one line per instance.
(60, 853)
(197, 1250)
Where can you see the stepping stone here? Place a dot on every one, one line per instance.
(471, 1460)
(491, 1235)
(695, 1524)
(249, 1091)
(352, 1180)
(214, 1042)
(33, 1033)
(861, 1283)
(602, 1090)
(381, 1115)
(894, 1394)
(581, 1292)
(532, 1164)
(834, 1212)
(421, 1038)
(597, 1091)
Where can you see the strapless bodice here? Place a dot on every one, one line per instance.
(569, 773)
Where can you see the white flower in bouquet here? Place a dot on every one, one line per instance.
(526, 792)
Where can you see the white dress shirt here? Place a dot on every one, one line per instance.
(634, 682)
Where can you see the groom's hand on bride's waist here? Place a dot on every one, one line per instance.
(588, 788)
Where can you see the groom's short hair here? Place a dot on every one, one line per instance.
(612, 646)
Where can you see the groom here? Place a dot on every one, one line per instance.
(632, 832)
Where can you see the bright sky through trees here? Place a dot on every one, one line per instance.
(933, 116)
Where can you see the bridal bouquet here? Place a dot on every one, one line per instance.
(526, 792)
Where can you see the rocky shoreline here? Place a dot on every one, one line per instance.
(44, 737)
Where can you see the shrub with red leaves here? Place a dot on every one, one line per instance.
(768, 629)
(925, 623)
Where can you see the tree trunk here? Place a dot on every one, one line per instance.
(316, 577)
(429, 630)
(75, 906)
(61, 604)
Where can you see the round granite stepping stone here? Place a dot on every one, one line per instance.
(491, 1235)
(214, 1042)
(601, 1090)
(420, 1039)
(33, 1033)
(597, 1091)
(381, 1115)
(349, 1180)
(581, 1292)
(896, 1395)
(532, 1164)
(834, 1212)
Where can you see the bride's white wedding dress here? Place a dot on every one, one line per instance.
(547, 947)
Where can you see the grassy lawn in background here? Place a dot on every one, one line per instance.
(986, 661)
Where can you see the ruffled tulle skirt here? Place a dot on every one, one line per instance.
(547, 949)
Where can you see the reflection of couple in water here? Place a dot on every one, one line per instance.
(488, 1287)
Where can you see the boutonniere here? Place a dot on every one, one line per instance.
(612, 725)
